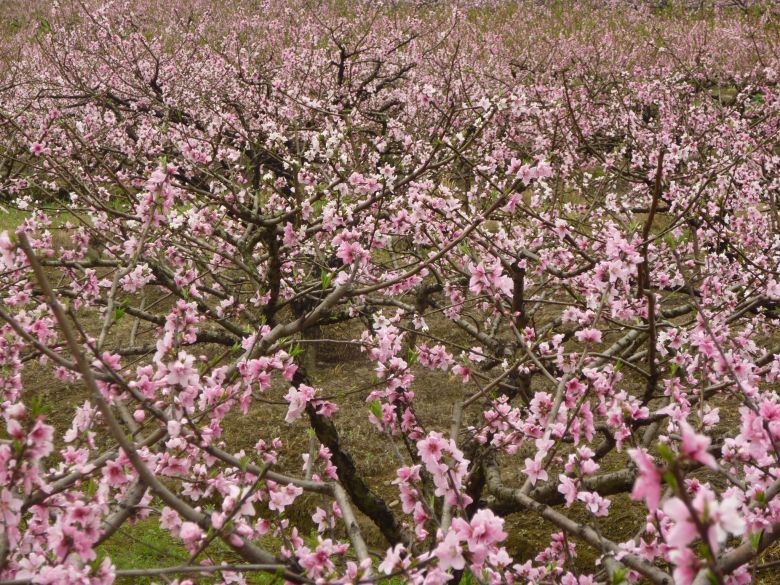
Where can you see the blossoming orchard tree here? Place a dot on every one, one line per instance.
(565, 218)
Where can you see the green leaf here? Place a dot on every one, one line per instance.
(670, 480)
(619, 576)
(376, 409)
(119, 312)
(755, 540)
(326, 277)
(44, 28)
(411, 356)
(666, 452)
(95, 564)
(38, 407)
(702, 551)
(91, 488)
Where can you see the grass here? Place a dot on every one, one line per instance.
(144, 545)
(10, 218)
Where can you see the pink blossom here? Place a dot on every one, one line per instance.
(6, 250)
(449, 552)
(190, 532)
(393, 559)
(463, 372)
(351, 252)
(588, 336)
(298, 399)
(686, 565)
(694, 446)
(648, 484)
(594, 503)
(430, 448)
(484, 530)
(182, 372)
(115, 474)
(684, 529)
(281, 497)
(568, 488)
(534, 470)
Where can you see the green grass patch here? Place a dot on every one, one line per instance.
(10, 218)
(143, 545)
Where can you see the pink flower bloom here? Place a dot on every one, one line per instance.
(36, 148)
(114, 474)
(281, 497)
(648, 485)
(298, 399)
(568, 488)
(526, 174)
(137, 279)
(430, 448)
(289, 235)
(181, 371)
(350, 252)
(6, 250)
(588, 336)
(684, 529)
(686, 565)
(326, 408)
(514, 166)
(534, 471)
(543, 169)
(725, 517)
(170, 520)
(719, 518)
(190, 532)
(485, 529)
(478, 279)
(595, 504)
(449, 553)
(392, 559)
(694, 446)
(463, 372)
